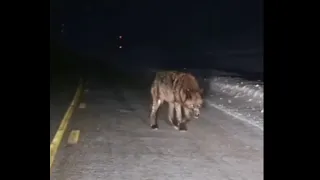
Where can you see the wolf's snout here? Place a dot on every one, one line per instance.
(196, 114)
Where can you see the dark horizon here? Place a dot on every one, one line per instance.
(217, 34)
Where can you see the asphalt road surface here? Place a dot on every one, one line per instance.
(117, 143)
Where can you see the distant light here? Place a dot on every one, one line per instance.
(120, 37)
(120, 47)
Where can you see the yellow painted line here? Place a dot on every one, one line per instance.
(64, 123)
(74, 137)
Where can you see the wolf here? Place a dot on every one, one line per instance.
(182, 92)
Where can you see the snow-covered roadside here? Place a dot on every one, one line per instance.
(237, 97)
(238, 87)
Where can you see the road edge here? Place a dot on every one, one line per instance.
(55, 143)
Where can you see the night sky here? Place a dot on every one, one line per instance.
(216, 32)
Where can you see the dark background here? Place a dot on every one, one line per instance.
(220, 34)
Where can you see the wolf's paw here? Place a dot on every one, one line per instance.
(154, 126)
(182, 127)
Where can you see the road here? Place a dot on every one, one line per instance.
(117, 143)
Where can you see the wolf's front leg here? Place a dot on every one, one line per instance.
(181, 123)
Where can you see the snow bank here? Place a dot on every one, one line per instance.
(237, 97)
(238, 87)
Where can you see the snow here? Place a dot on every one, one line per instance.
(238, 87)
(240, 98)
